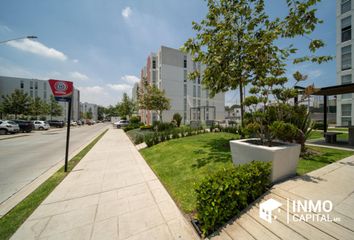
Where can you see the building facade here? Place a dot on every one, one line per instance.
(344, 49)
(39, 88)
(168, 70)
(86, 108)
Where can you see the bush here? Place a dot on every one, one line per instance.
(178, 118)
(224, 194)
(139, 138)
(160, 126)
(132, 126)
(135, 119)
(146, 127)
(319, 125)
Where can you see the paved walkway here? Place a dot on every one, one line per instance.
(111, 194)
(334, 182)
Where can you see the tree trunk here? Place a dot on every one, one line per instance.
(160, 116)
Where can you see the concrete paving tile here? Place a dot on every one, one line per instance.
(133, 190)
(106, 230)
(154, 184)
(139, 221)
(85, 190)
(180, 230)
(69, 221)
(112, 209)
(80, 233)
(157, 233)
(169, 210)
(108, 196)
(31, 230)
(160, 194)
(141, 201)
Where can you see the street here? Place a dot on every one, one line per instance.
(23, 159)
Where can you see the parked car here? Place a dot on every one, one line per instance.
(25, 126)
(73, 123)
(56, 123)
(8, 127)
(41, 125)
(121, 123)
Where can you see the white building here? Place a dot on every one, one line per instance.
(344, 58)
(89, 108)
(168, 70)
(39, 88)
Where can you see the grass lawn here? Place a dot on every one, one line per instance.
(319, 134)
(182, 163)
(13, 219)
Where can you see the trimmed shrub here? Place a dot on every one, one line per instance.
(224, 194)
(135, 119)
(139, 138)
(178, 118)
(160, 126)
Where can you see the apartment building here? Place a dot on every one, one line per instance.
(168, 70)
(39, 88)
(344, 49)
(90, 108)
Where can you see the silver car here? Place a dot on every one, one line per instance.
(7, 126)
(121, 123)
(41, 125)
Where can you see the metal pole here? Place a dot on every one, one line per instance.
(325, 113)
(67, 137)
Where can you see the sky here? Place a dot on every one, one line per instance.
(101, 45)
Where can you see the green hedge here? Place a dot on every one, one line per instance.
(224, 194)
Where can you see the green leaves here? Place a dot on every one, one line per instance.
(224, 194)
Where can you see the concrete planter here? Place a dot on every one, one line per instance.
(284, 158)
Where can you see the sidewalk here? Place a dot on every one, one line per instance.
(111, 194)
(334, 182)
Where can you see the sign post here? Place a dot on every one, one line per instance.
(63, 91)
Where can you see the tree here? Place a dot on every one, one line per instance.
(153, 99)
(89, 114)
(38, 107)
(16, 103)
(178, 118)
(236, 38)
(101, 112)
(55, 109)
(126, 106)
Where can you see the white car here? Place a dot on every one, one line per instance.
(73, 123)
(121, 123)
(41, 125)
(8, 127)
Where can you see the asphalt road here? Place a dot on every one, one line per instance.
(23, 159)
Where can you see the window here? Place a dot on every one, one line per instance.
(194, 103)
(154, 64)
(185, 75)
(185, 116)
(35, 85)
(199, 91)
(198, 79)
(160, 73)
(185, 90)
(22, 84)
(346, 29)
(154, 76)
(207, 104)
(199, 103)
(31, 85)
(35, 94)
(45, 95)
(346, 110)
(346, 5)
(31, 93)
(347, 57)
(185, 62)
(194, 91)
(345, 80)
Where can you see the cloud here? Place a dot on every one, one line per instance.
(120, 87)
(5, 29)
(91, 90)
(75, 60)
(38, 48)
(78, 76)
(130, 79)
(314, 73)
(126, 12)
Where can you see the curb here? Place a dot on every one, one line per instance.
(16, 198)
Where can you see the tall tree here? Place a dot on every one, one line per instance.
(153, 99)
(101, 113)
(126, 106)
(55, 109)
(16, 103)
(235, 40)
(38, 107)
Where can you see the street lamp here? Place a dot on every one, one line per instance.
(26, 37)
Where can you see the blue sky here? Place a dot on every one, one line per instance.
(102, 45)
